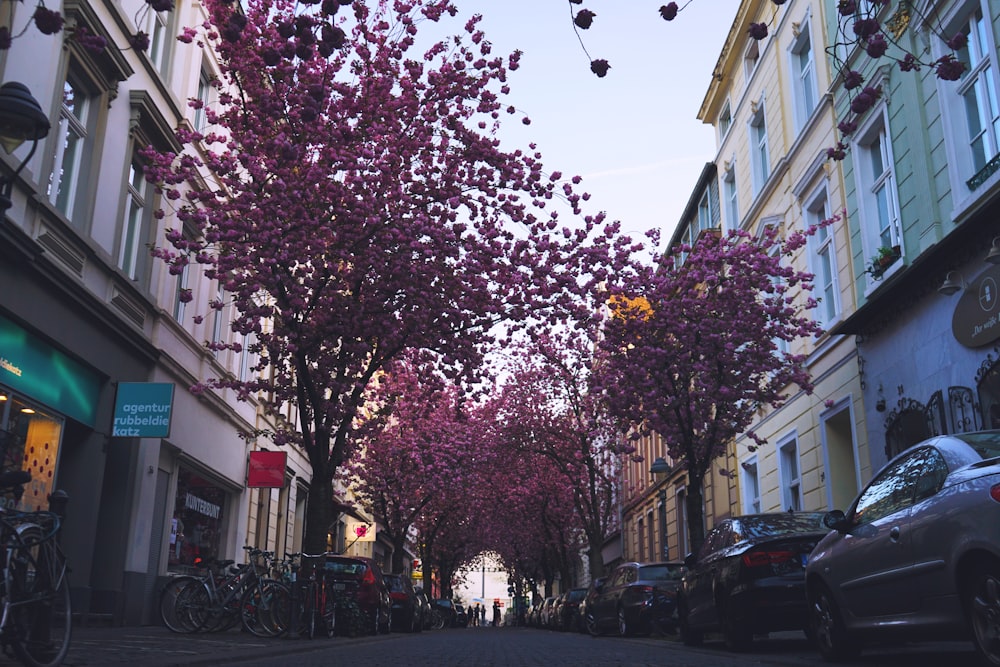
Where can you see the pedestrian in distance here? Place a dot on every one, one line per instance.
(496, 614)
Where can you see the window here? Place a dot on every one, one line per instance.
(978, 92)
(731, 200)
(750, 58)
(725, 121)
(642, 539)
(804, 85)
(158, 29)
(218, 318)
(183, 285)
(680, 505)
(205, 92)
(706, 214)
(751, 486)
(137, 223)
(877, 189)
(760, 159)
(824, 261)
(893, 490)
(652, 537)
(245, 364)
(788, 472)
(71, 143)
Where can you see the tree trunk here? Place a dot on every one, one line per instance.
(319, 514)
(398, 552)
(695, 513)
(595, 558)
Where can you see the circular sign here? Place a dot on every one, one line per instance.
(975, 322)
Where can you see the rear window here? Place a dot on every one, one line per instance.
(395, 584)
(771, 525)
(576, 595)
(346, 567)
(987, 445)
(661, 572)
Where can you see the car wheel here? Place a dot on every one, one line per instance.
(832, 639)
(736, 636)
(624, 629)
(592, 625)
(983, 607)
(689, 636)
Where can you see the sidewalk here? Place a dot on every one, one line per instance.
(155, 646)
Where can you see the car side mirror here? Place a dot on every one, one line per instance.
(690, 561)
(836, 520)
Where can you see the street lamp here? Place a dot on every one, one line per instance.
(659, 470)
(21, 119)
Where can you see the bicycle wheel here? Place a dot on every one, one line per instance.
(330, 617)
(180, 604)
(276, 613)
(40, 613)
(259, 606)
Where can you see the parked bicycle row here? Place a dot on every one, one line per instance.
(306, 595)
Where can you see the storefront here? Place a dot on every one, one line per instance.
(198, 523)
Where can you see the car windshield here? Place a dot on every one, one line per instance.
(661, 572)
(987, 445)
(771, 525)
(345, 567)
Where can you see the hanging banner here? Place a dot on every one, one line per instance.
(142, 410)
(267, 470)
(360, 532)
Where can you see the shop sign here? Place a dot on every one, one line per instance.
(267, 470)
(46, 375)
(976, 321)
(358, 531)
(142, 410)
(201, 506)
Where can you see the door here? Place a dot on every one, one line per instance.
(872, 564)
(699, 583)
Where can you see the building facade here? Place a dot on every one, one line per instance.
(922, 184)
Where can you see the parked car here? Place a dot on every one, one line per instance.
(568, 610)
(461, 617)
(425, 609)
(634, 597)
(446, 612)
(405, 607)
(917, 555)
(595, 585)
(531, 618)
(749, 578)
(545, 611)
(360, 587)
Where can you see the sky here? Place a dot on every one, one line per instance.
(633, 135)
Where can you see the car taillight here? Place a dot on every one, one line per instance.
(397, 596)
(759, 558)
(369, 577)
(995, 492)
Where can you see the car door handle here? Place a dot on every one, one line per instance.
(894, 533)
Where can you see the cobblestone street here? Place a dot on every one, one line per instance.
(488, 647)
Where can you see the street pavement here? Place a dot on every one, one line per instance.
(155, 646)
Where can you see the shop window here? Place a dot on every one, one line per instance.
(30, 440)
(198, 522)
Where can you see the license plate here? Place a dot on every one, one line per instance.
(339, 587)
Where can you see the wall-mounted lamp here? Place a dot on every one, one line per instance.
(993, 256)
(21, 119)
(953, 282)
(880, 399)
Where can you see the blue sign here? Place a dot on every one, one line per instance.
(142, 410)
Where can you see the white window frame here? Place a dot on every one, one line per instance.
(205, 95)
(72, 143)
(750, 484)
(823, 258)
(135, 224)
(725, 120)
(760, 157)
(731, 198)
(790, 480)
(870, 184)
(160, 39)
(183, 283)
(219, 319)
(751, 58)
(957, 131)
(805, 90)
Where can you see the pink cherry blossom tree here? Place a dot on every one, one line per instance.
(693, 348)
(353, 202)
(421, 446)
(549, 410)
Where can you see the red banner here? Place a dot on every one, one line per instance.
(267, 470)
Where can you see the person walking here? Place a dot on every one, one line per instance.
(496, 614)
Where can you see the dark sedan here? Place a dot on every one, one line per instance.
(634, 598)
(363, 602)
(406, 610)
(749, 578)
(917, 555)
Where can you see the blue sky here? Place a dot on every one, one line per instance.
(633, 136)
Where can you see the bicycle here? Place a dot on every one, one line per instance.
(36, 621)
(319, 606)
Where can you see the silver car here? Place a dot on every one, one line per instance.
(917, 556)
